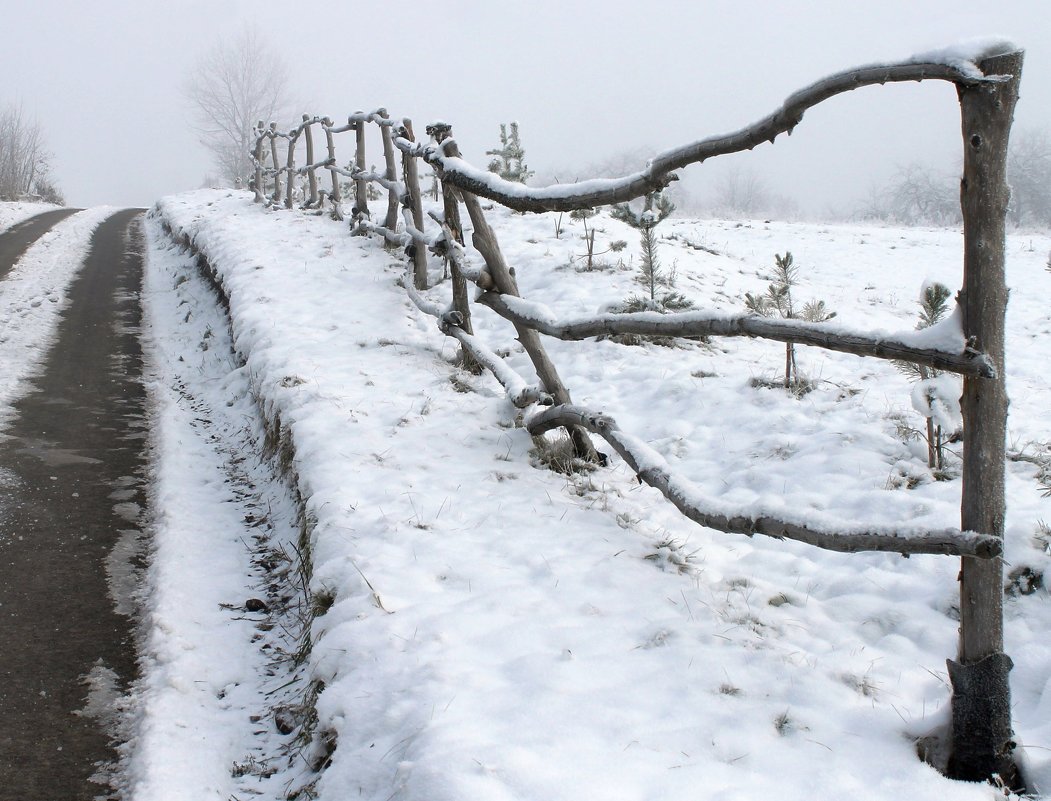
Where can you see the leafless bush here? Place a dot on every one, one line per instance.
(24, 161)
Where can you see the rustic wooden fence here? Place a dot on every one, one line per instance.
(986, 80)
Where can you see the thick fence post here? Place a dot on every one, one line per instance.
(391, 220)
(312, 173)
(485, 242)
(361, 192)
(411, 174)
(337, 196)
(981, 702)
(276, 197)
(258, 154)
(290, 168)
(442, 133)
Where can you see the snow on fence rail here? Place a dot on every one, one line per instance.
(970, 343)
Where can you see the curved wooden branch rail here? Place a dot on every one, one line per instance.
(654, 470)
(705, 323)
(659, 172)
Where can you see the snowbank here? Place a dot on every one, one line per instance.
(501, 631)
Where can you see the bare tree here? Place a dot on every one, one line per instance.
(921, 195)
(1029, 173)
(232, 87)
(24, 162)
(916, 195)
(741, 191)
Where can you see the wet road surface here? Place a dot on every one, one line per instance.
(72, 470)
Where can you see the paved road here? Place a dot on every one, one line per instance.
(71, 488)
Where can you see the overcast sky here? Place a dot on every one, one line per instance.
(586, 79)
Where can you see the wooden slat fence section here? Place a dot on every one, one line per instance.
(987, 84)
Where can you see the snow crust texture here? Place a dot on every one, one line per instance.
(497, 630)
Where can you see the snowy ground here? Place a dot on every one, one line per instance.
(491, 629)
(14, 213)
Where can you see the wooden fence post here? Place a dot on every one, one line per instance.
(276, 197)
(290, 168)
(258, 153)
(981, 703)
(391, 220)
(337, 196)
(485, 242)
(411, 175)
(361, 193)
(442, 134)
(311, 174)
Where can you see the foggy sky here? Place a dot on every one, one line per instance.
(586, 79)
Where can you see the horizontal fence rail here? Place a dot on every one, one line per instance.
(969, 343)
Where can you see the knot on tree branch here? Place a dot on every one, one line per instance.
(439, 131)
(440, 248)
(453, 318)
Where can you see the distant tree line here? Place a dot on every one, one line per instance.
(25, 167)
(922, 195)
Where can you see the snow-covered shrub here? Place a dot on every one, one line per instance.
(935, 395)
(778, 301)
(509, 162)
(589, 240)
(651, 275)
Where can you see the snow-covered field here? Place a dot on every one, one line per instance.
(492, 629)
(489, 628)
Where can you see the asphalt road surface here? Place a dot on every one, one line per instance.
(72, 470)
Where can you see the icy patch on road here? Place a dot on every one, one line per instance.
(106, 705)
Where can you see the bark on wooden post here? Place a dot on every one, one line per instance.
(981, 705)
(311, 174)
(485, 242)
(442, 134)
(410, 172)
(391, 220)
(276, 197)
(337, 196)
(258, 154)
(361, 193)
(290, 168)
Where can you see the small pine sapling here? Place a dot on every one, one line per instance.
(509, 162)
(930, 397)
(778, 301)
(589, 238)
(372, 192)
(656, 209)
